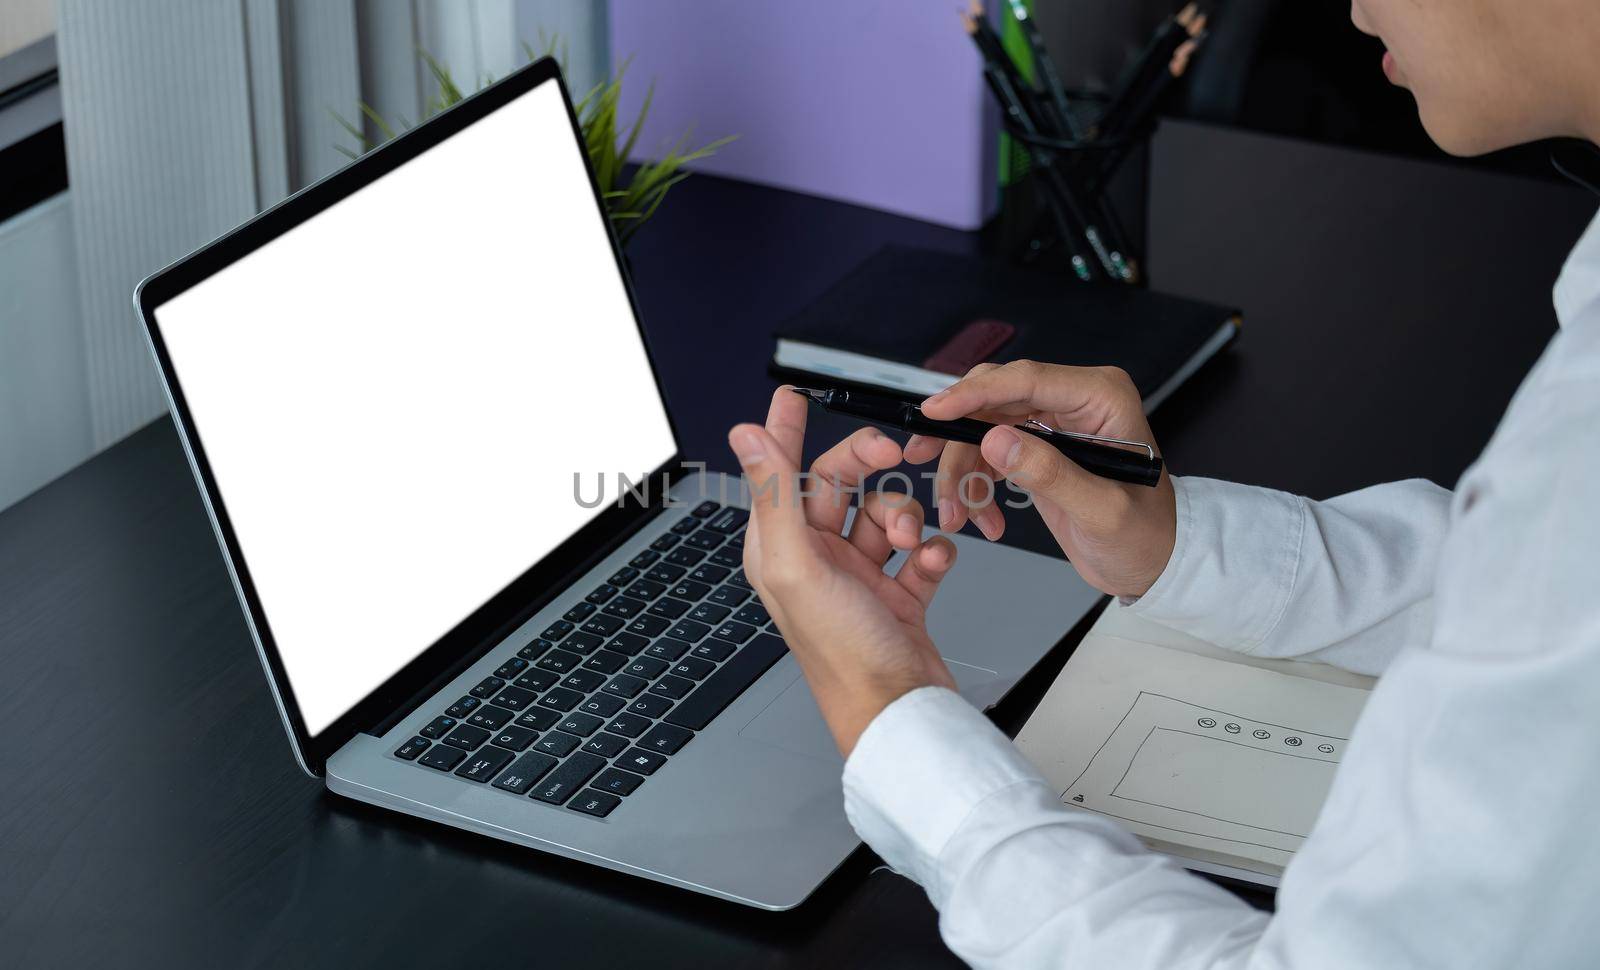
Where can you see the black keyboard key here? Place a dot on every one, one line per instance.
(463, 707)
(729, 520)
(602, 593)
(689, 630)
(412, 748)
(708, 613)
(538, 719)
(754, 614)
(601, 705)
(536, 649)
(666, 649)
(438, 727)
(705, 539)
(623, 685)
(628, 643)
(736, 542)
(740, 579)
(669, 608)
(728, 595)
(602, 625)
(648, 706)
(442, 757)
(560, 699)
(685, 557)
(511, 668)
(524, 772)
(643, 559)
(557, 744)
(515, 698)
(704, 509)
(714, 650)
(648, 668)
(735, 631)
(559, 785)
(466, 737)
(628, 725)
(584, 681)
(693, 668)
(579, 724)
(514, 738)
(582, 642)
(665, 574)
(707, 573)
(579, 612)
(490, 717)
(536, 680)
(606, 661)
(665, 542)
(596, 803)
(648, 626)
(718, 691)
(615, 781)
(560, 661)
(646, 589)
(623, 576)
(728, 556)
(605, 745)
(486, 687)
(685, 526)
(673, 687)
(560, 628)
(642, 761)
(666, 739)
(688, 589)
(625, 606)
(485, 764)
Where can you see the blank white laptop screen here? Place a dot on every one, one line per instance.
(395, 396)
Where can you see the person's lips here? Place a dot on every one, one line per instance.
(1391, 69)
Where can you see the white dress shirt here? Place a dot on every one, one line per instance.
(1461, 829)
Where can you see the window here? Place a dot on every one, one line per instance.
(33, 158)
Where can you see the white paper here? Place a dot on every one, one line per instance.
(1203, 757)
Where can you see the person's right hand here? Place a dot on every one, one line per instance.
(1118, 536)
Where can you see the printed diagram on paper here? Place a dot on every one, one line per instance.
(1200, 756)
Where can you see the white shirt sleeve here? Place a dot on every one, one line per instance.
(1347, 581)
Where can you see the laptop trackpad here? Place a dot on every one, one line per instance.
(792, 722)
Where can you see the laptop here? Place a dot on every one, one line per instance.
(485, 586)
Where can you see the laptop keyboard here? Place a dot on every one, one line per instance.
(605, 696)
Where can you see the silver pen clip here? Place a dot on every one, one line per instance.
(1103, 439)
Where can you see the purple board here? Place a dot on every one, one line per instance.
(876, 102)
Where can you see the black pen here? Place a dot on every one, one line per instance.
(1094, 453)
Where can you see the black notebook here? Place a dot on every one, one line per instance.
(913, 320)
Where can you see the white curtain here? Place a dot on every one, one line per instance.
(185, 117)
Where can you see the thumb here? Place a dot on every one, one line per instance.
(1032, 464)
(774, 483)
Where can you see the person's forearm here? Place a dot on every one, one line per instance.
(1346, 581)
(1021, 880)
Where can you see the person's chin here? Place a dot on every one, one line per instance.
(1461, 137)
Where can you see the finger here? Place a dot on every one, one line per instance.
(926, 567)
(1031, 463)
(786, 422)
(898, 516)
(920, 449)
(954, 464)
(774, 488)
(867, 532)
(840, 471)
(980, 492)
(1040, 387)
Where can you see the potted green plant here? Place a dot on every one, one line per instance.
(632, 192)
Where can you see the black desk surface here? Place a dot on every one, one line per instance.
(151, 815)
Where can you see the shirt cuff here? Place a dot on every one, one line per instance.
(919, 770)
(1234, 563)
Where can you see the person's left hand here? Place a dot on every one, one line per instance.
(858, 633)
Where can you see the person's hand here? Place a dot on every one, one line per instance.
(858, 633)
(1118, 536)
